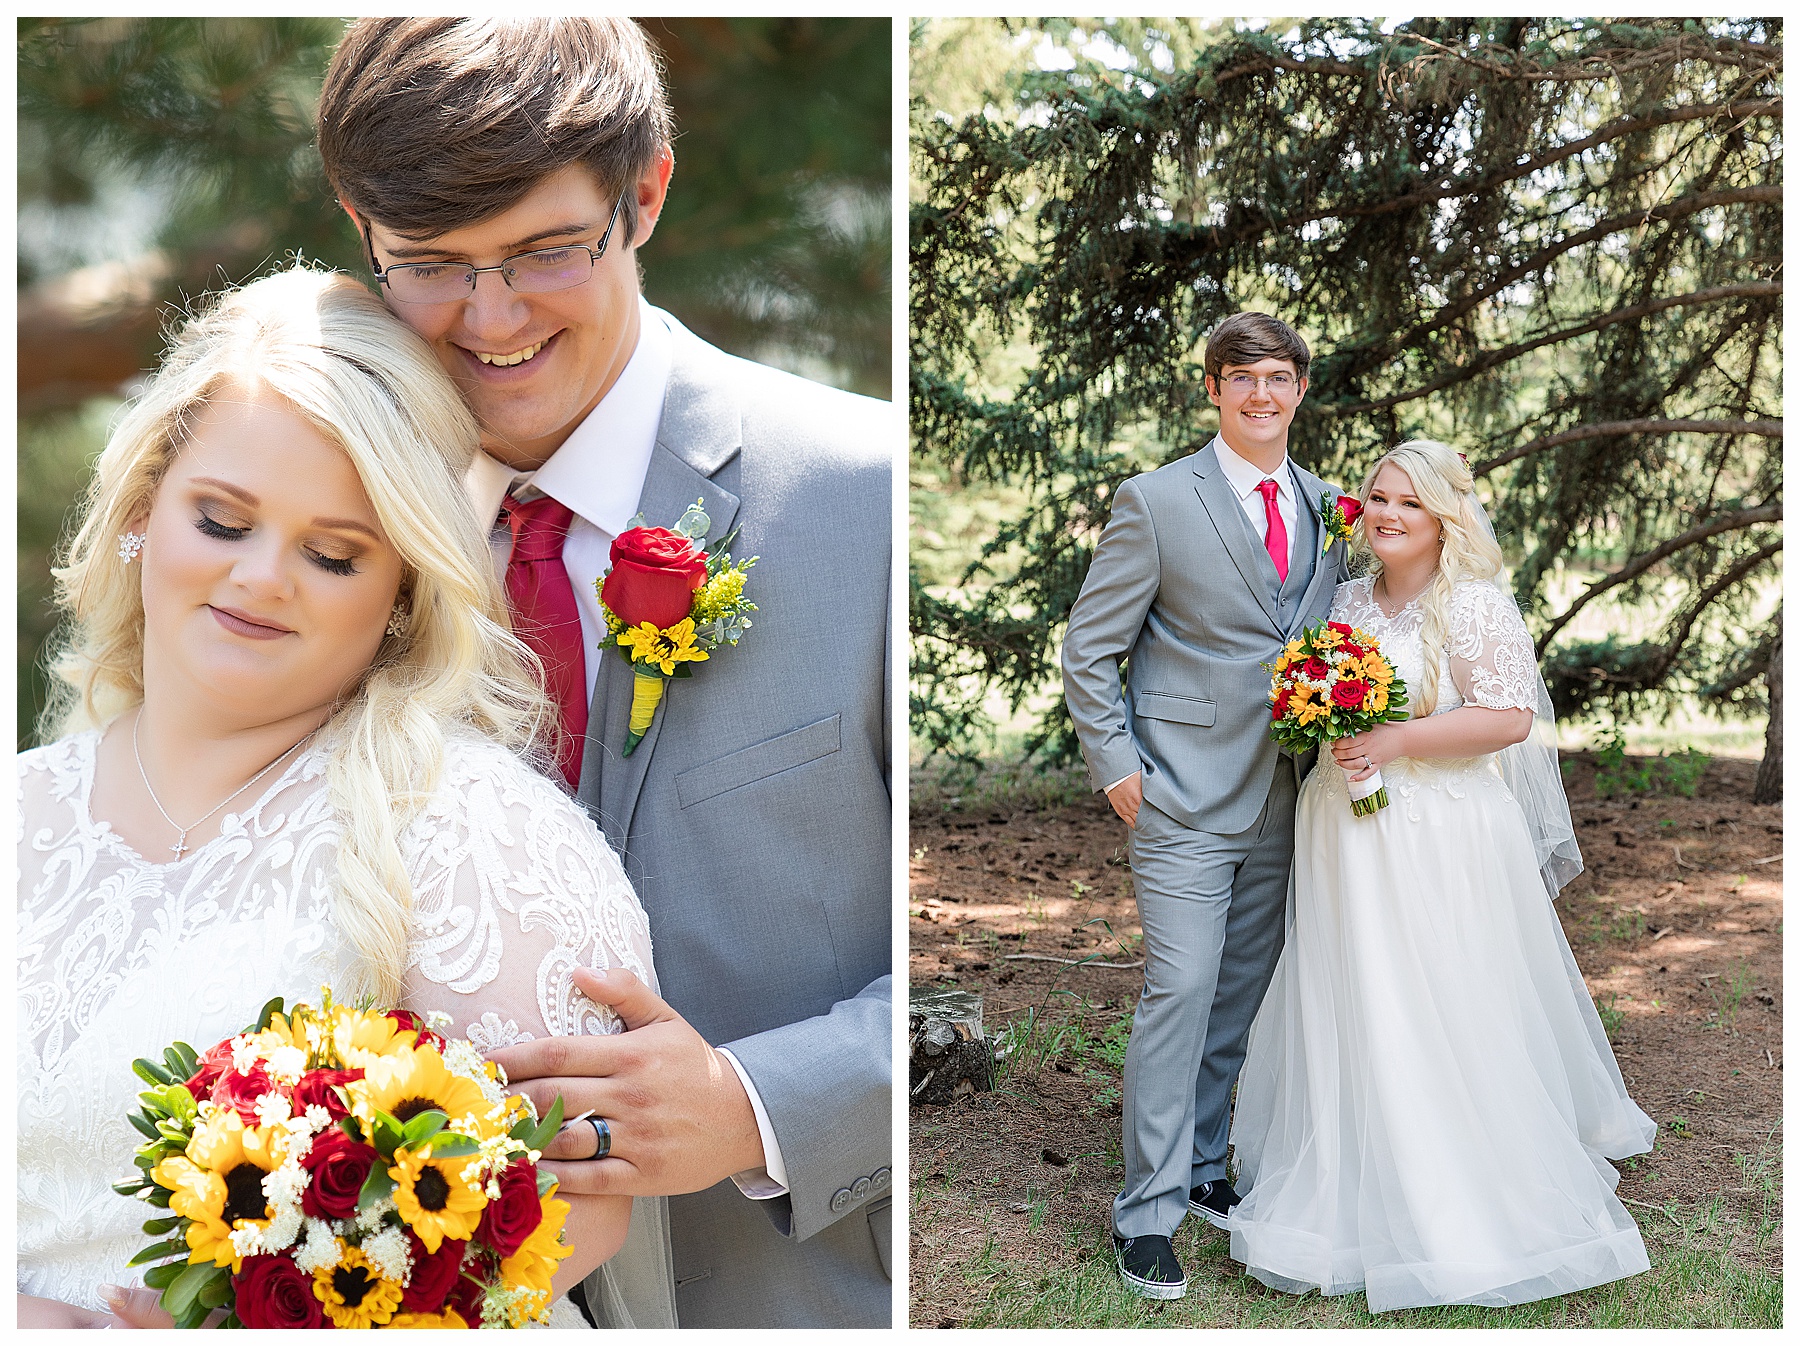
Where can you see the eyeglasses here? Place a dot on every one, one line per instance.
(1275, 383)
(536, 272)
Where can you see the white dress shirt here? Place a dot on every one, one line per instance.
(1243, 476)
(599, 474)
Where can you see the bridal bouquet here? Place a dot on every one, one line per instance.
(668, 604)
(1332, 682)
(344, 1167)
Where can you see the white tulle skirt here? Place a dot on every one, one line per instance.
(1429, 1101)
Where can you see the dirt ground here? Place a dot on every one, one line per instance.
(1676, 924)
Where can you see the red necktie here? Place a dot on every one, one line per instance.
(1276, 540)
(545, 616)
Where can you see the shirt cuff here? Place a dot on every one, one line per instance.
(759, 1184)
(1116, 784)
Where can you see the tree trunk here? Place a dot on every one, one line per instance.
(950, 1054)
(1768, 775)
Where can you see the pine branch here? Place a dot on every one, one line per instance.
(1648, 425)
(1685, 624)
(1752, 289)
(1724, 523)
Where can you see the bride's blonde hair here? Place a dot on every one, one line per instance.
(373, 388)
(1442, 482)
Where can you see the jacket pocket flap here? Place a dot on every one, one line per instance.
(1182, 709)
(784, 752)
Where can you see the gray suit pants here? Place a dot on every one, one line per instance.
(1213, 912)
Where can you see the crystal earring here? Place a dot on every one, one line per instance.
(398, 620)
(130, 544)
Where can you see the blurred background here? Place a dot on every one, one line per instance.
(159, 158)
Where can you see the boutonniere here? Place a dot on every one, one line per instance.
(668, 605)
(1336, 516)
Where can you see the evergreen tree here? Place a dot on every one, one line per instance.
(1554, 243)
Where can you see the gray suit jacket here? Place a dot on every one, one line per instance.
(1183, 587)
(755, 822)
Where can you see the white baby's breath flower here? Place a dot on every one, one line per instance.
(287, 1064)
(438, 1020)
(247, 1240)
(371, 1218)
(320, 1249)
(284, 1228)
(389, 1253)
(245, 1052)
(318, 1117)
(273, 1108)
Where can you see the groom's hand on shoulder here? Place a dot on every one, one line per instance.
(679, 1118)
(1127, 797)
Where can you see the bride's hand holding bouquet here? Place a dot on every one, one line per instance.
(1333, 685)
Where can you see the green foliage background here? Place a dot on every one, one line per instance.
(158, 157)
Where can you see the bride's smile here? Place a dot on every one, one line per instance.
(268, 580)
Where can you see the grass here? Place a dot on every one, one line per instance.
(1695, 1280)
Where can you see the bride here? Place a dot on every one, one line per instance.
(290, 753)
(1429, 1101)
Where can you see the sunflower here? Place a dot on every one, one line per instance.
(218, 1184)
(416, 1081)
(362, 1037)
(354, 1293)
(435, 1199)
(536, 1261)
(448, 1318)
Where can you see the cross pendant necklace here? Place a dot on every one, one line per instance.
(180, 847)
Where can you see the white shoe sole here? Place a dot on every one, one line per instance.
(1148, 1289)
(1212, 1217)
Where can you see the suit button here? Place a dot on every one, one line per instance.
(840, 1201)
(860, 1188)
(882, 1177)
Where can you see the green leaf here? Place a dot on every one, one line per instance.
(449, 1145)
(162, 1225)
(143, 1126)
(376, 1187)
(158, 1197)
(186, 1288)
(547, 1128)
(269, 1011)
(157, 1251)
(151, 1073)
(194, 1316)
(423, 1127)
(385, 1134)
(189, 1058)
(162, 1277)
(214, 1295)
(129, 1186)
(545, 1181)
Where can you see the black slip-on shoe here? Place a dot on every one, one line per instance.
(1212, 1202)
(1148, 1267)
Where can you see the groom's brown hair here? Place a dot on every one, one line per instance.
(430, 124)
(1245, 338)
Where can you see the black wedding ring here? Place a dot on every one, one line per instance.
(602, 1137)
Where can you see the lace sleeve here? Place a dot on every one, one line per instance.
(513, 889)
(1491, 657)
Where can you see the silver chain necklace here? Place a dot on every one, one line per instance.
(180, 846)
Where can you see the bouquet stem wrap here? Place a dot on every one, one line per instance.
(1366, 795)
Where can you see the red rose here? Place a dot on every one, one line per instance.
(1349, 506)
(653, 578)
(339, 1167)
(1349, 693)
(434, 1275)
(508, 1222)
(1281, 704)
(471, 1285)
(213, 1064)
(1316, 669)
(320, 1088)
(1354, 651)
(240, 1092)
(1341, 628)
(416, 1024)
(273, 1292)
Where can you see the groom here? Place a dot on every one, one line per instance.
(1206, 568)
(502, 175)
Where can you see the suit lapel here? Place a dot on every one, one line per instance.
(699, 433)
(1322, 573)
(1228, 520)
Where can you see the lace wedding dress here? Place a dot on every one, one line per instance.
(119, 956)
(1429, 1102)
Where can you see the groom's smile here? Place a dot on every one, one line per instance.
(1254, 420)
(533, 364)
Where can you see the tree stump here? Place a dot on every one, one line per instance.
(950, 1057)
